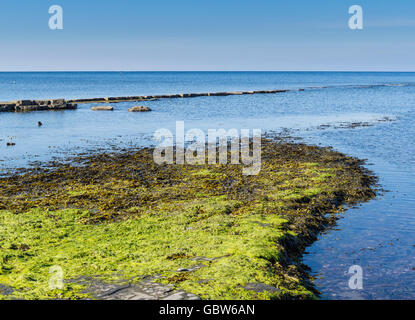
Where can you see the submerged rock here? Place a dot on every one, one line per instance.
(139, 109)
(102, 108)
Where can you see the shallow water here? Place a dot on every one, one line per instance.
(378, 236)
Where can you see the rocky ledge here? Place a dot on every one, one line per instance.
(61, 104)
(171, 96)
(36, 105)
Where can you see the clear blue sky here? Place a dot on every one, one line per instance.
(207, 35)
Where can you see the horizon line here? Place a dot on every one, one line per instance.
(328, 71)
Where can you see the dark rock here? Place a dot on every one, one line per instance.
(192, 95)
(4, 107)
(219, 94)
(24, 102)
(87, 100)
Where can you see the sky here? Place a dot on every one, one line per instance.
(166, 35)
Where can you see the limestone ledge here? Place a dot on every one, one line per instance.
(170, 96)
(61, 104)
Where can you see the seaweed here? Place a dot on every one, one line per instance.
(119, 215)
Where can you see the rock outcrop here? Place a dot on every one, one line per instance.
(36, 105)
(102, 108)
(139, 109)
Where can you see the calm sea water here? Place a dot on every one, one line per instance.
(378, 235)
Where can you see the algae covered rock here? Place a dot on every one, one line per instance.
(205, 229)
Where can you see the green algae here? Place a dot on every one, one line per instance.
(206, 229)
